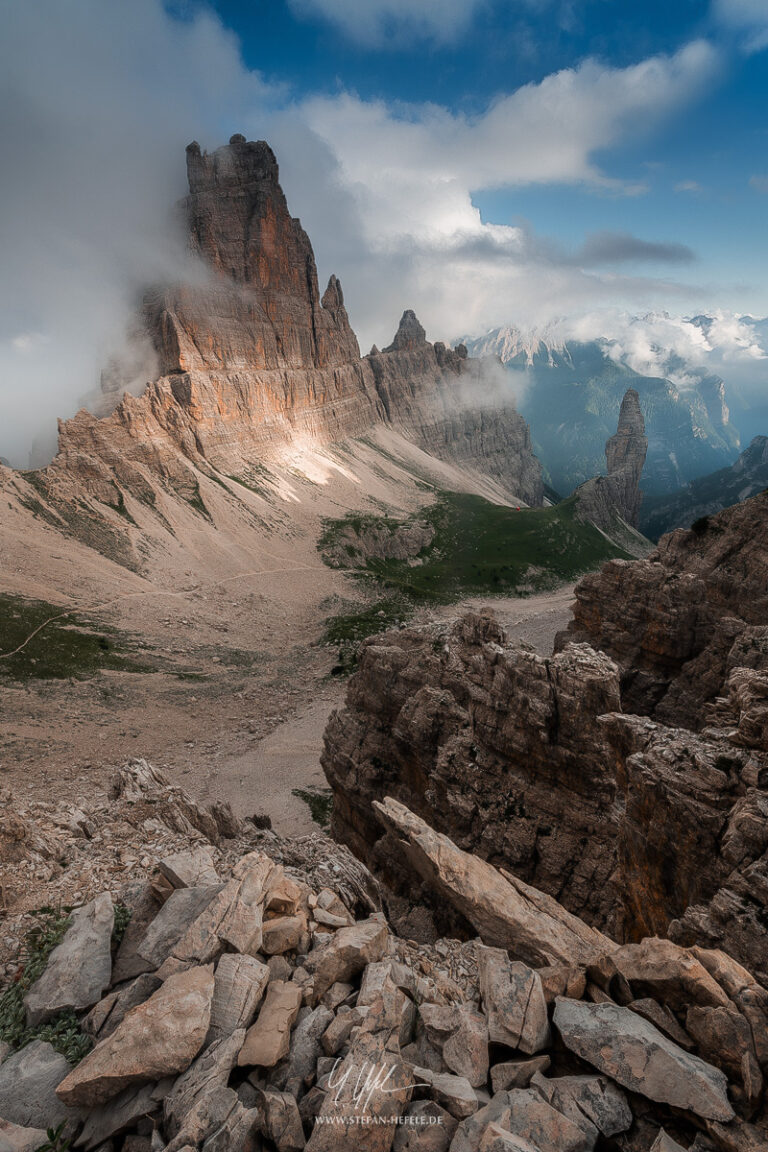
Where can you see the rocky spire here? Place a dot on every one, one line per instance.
(625, 454)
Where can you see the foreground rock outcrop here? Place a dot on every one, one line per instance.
(542, 767)
(345, 1036)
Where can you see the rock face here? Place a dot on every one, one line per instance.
(679, 623)
(604, 498)
(708, 495)
(252, 360)
(544, 768)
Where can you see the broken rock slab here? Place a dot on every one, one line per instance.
(78, 969)
(506, 912)
(461, 1035)
(158, 1038)
(426, 1127)
(517, 1073)
(237, 991)
(28, 1082)
(514, 1002)
(207, 1073)
(114, 1118)
(269, 1039)
(636, 1055)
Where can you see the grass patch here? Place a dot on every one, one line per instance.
(68, 647)
(320, 803)
(347, 631)
(63, 1033)
(480, 548)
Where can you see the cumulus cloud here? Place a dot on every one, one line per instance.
(747, 17)
(381, 22)
(403, 179)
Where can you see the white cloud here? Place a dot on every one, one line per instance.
(748, 17)
(396, 183)
(391, 21)
(691, 186)
(99, 101)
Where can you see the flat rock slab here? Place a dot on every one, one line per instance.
(636, 1055)
(158, 1038)
(79, 969)
(513, 997)
(28, 1082)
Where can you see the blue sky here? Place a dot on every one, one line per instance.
(484, 162)
(690, 174)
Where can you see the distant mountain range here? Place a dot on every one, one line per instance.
(568, 390)
(709, 494)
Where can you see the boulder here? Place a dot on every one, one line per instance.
(513, 998)
(209, 1072)
(359, 1114)
(158, 1038)
(102, 1020)
(454, 1093)
(593, 1103)
(126, 1110)
(425, 1127)
(268, 1040)
(233, 919)
(461, 1035)
(350, 950)
(237, 990)
(14, 1138)
(665, 1143)
(517, 1073)
(79, 969)
(305, 1050)
(632, 1052)
(661, 970)
(495, 1139)
(282, 1122)
(181, 909)
(192, 868)
(283, 934)
(28, 1082)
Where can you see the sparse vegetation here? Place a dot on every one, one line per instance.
(350, 629)
(63, 1033)
(320, 803)
(70, 646)
(480, 548)
(122, 920)
(57, 1141)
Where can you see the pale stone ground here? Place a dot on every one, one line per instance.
(241, 606)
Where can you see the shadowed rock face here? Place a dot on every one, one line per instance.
(537, 765)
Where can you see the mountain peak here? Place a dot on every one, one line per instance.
(410, 334)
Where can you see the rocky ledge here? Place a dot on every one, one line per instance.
(258, 998)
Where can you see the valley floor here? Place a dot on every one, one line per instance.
(248, 733)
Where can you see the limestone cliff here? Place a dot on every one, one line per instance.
(255, 362)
